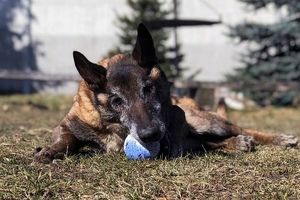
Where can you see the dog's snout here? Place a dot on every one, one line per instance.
(150, 134)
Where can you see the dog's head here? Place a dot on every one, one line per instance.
(132, 87)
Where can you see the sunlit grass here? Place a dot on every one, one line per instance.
(26, 122)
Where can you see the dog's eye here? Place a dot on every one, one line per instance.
(116, 102)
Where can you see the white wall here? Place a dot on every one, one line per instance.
(66, 25)
(208, 47)
(90, 27)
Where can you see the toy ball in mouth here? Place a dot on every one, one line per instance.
(137, 150)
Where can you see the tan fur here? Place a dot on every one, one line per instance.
(83, 107)
(155, 73)
(221, 109)
(103, 98)
(186, 102)
(106, 62)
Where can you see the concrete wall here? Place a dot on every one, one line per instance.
(61, 26)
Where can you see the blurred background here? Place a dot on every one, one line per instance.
(247, 51)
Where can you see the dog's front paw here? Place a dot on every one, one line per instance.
(43, 155)
(286, 140)
(244, 143)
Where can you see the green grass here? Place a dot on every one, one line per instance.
(26, 122)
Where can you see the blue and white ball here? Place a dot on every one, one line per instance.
(137, 150)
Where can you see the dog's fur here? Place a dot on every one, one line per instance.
(130, 94)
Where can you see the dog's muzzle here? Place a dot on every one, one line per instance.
(152, 133)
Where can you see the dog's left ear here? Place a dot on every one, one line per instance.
(144, 51)
(94, 75)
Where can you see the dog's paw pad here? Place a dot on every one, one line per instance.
(286, 140)
(244, 143)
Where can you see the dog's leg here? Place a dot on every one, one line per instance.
(213, 128)
(245, 139)
(178, 131)
(248, 137)
(239, 143)
(115, 140)
(64, 143)
(270, 138)
(206, 142)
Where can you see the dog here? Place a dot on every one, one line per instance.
(130, 94)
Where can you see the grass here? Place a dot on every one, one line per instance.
(26, 122)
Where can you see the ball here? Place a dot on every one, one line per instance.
(138, 150)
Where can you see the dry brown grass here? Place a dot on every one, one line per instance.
(26, 122)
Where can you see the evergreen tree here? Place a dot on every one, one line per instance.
(273, 55)
(143, 11)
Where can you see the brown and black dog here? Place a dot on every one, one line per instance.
(130, 94)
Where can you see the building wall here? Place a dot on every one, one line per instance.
(89, 26)
(208, 48)
(63, 26)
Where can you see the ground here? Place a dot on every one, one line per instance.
(26, 122)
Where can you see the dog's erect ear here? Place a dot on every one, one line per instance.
(93, 74)
(144, 51)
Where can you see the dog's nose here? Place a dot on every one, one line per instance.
(150, 134)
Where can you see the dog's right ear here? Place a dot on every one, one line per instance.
(94, 75)
(144, 51)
